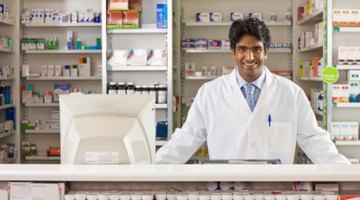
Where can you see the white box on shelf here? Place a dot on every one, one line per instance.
(352, 54)
(25, 70)
(236, 16)
(354, 130)
(335, 130)
(345, 130)
(58, 70)
(45, 191)
(137, 57)
(156, 57)
(118, 57)
(353, 75)
(44, 70)
(20, 190)
(215, 17)
(4, 195)
(202, 17)
(51, 70)
(342, 55)
(84, 70)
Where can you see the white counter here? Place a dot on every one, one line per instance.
(179, 173)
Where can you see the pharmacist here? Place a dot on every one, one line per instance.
(251, 113)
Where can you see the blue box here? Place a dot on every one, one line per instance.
(162, 130)
(161, 15)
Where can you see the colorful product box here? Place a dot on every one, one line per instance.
(118, 4)
(114, 19)
(156, 57)
(118, 57)
(137, 57)
(353, 75)
(214, 44)
(340, 93)
(161, 15)
(188, 43)
(201, 43)
(130, 19)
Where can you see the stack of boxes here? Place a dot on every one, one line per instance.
(312, 38)
(137, 57)
(310, 8)
(311, 68)
(124, 13)
(346, 18)
(345, 131)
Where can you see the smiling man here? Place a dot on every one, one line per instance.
(251, 113)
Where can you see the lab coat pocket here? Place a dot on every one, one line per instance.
(280, 138)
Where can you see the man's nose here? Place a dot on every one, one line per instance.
(249, 55)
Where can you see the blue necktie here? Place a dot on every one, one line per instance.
(249, 95)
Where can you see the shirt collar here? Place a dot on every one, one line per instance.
(259, 82)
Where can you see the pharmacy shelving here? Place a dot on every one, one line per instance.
(311, 78)
(9, 56)
(346, 105)
(88, 33)
(311, 19)
(145, 29)
(6, 22)
(2, 107)
(227, 24)
(64, 78)
(312, 48)
(137, 68)
(64, 25)
(42, 131)
(227, 51)
(199, 78)
(148, 36)
(42, 158)
(341, 37)
(6, 50)
(347, 143)
(63, 51)
(347, 29)
(3, 135)
(348, 67)
(42, 105)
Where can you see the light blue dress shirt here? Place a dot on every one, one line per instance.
(259, 82)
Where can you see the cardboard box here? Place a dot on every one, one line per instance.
(130, 19)
(114, 19)
(118, 4)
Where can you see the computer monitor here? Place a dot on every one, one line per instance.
(107, 129)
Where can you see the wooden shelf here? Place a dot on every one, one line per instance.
(146, 29)
(347, 143)
(137, 68)
(227, 24)
(348, 67)
(3, 135)
(311, 19)
(42, 131)
(42, 158)
(311, 48)
(64, 25)
(64, 78)
(42, 104)
(62, 51)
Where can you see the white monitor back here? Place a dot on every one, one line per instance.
(107, 129)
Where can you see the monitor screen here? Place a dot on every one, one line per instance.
(107, 129)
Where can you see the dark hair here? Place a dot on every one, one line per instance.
(250, 26)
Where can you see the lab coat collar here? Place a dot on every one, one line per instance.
(259, 82)
(233, 80)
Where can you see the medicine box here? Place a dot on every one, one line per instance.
(202, 17)
(130, 19)
(156, 57)
(215, 17)
(161, 15)
(137, 57)
(118, 4)
(118, 57)
(114, 19)
(135, 5)
(214, 44)
(236, 16)
(342, 55)
(188, 43)
(353, 75)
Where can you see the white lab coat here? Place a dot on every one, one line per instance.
(221, 116)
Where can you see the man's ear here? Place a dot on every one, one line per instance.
(266, 50)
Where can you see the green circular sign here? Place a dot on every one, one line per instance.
(330, 75)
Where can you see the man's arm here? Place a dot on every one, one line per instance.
(312, 139)
(187, 140)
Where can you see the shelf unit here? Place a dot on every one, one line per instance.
(341, 112)
(148, 36)
(87, 32)
(307, 82)
(10, 57)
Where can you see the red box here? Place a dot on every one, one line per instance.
(135, 5)
(130, 19)
(300, 12)
(114, 19)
